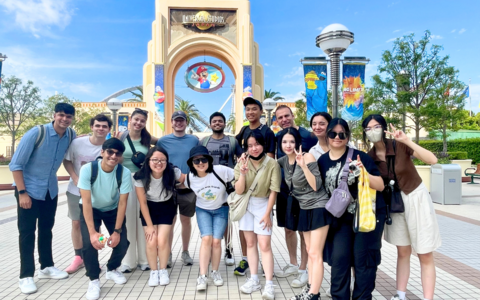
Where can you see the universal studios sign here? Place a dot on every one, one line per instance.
(203, 20)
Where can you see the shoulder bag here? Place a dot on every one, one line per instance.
(396, 200)
(341, 196)
(138, 158)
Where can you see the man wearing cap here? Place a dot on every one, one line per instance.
(104, 186)
(178, 145)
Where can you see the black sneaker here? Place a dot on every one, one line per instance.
(229, 260)
(242, 268)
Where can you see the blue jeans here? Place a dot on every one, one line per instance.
(212, 222)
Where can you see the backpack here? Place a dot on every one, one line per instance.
(94, 175)
(231, 150)
(41, 136)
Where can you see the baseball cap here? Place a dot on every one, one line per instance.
(250, 100)
(179, 114)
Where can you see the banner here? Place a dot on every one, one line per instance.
(159, 97)
(353, 91)
(316, 88)
(122, 123)
(1, 74)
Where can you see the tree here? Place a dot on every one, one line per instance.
(138, 95)
(18, 103)
(192, 113)
(272, 95)
(411, 71)
(301, 113)
(231, 123)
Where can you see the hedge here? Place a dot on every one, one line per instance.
(471, 146)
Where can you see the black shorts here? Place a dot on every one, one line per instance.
(311, 219)
(161, 213)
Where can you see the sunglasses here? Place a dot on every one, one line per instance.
(202, 160)
(111, 152)
(333, 134)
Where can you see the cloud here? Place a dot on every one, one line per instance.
(453, 31)
(436, 37)
(391, 40)
(395, 31)
(297, 54)
(296, 71)
(320, 28)
(293, 97)
(266, 65)
(462, 30)
(38, 16)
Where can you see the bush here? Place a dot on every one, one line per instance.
(471, 146)
(442, 159)
(457, 155)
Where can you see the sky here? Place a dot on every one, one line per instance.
(89, 49)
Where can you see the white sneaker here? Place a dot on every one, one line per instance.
(52, 273)
(217, 278)
(125, 269)
(202, 283)
(116, 276)
(27, 285)
(164, 277)
(250, 286)
(396, 297)
(144, 267)
(268, 292)
(153, 280)
(301, 280)
(288, 270)
(93, 292)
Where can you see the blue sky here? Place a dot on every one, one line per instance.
(90, 49)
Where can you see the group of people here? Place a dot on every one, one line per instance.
(135, 183)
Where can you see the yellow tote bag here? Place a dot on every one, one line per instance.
(365, 220)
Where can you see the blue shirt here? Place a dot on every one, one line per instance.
(308, 141)
(40, 165)
(178, 149)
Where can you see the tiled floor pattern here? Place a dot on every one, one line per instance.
(461, 284)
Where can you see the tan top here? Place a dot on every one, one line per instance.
(407, 175)
(269, 181)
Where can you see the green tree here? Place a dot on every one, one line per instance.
(231, 123)
(272, 95)
(192, 113)
(137, 94)
(301, 113)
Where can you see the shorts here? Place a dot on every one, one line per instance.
(255, 211)
(311, 219)
(281, 208)
(73, 202)
(161, 213)
(186, 200)
(417, 226)
(212, 222)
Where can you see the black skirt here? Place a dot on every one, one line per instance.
(311, 219)
(161, 213)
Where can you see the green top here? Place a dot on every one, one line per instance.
(127, 155)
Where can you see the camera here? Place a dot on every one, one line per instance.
(354, 168)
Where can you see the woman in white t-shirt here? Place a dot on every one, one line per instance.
(208, 183)
(155, 187)
(319, 123)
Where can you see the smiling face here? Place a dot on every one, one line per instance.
(337, 142)
(253, 113)
(138, 122)
(111, 157)
(179, 125)
(200, 163)
(62, 120)
(254, 148)
(319, 126)
(100, 129)
(158, 162)
(288, 144)
(217, 124)
(284, 117)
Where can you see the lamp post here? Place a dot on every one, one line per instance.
(403, 85)
(114, 105)
(2, 58)
(269, 105)
(334, 40)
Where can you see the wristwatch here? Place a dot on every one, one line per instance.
(22, 192)
(119, 231)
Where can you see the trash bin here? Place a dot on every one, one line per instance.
(446, 184)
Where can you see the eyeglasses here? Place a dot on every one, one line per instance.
(111, 152)
(333, 134)
(376, 127)
(202, 160)
(158, 161)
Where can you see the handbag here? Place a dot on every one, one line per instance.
(138, 158)
(238, 203)
(293, 208)
(365, 220)
(341, 196)
(396, 200)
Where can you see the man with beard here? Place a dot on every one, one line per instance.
(223, 149)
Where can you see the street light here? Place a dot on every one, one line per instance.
(114, 105)
(2, 58)
(334, 40)
(269, 105)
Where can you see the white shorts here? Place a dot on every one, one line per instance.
(417, 226)
(255, 211)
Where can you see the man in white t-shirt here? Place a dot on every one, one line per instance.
(82, 151)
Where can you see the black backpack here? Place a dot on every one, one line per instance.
(94, 175)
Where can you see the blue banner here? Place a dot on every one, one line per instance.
(122, 123)
(353, 91)
(316, 88)
(159, 97)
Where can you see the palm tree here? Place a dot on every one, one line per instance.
(138, 95)
(231, 123)
(272, 95)
(192, 113)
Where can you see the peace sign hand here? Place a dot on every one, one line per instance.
(299, 157)
(243, 161)
(398, 135)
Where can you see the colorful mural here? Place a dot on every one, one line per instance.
(353, 91)
(204, 77)
(316, 88)
(247, 82)
(122, 123)
(159, 97)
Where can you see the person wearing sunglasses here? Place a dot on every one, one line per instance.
(417, 227)
(343, 247)
(104, 200)
(155, 187)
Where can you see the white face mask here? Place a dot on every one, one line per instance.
(374, 135)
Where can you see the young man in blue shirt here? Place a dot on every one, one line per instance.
(34, 167)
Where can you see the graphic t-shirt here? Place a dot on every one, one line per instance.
(211, 193)
(81, 152)
(156, 192)
(220, 151)
(178, 149)
(127, 155)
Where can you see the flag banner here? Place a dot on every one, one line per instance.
(159, 97)
(316, 88)
(466, 92)
(353, 91)
(122, 123)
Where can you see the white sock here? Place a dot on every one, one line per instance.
(254, 277)
(244, 258)
(269, 282)
(401, 295)
(302, 271)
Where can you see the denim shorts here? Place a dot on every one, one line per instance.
(212, 222)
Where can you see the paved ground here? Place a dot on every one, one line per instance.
(458, 262)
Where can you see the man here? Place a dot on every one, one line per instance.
(82, 151)
(285, 119)
(178, 145)
(104, 186)
(34, 167)
(223, 149)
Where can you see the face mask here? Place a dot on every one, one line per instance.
(258, 157)
(375, 135)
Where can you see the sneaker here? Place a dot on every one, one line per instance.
(309, 296)
(329, 294)
(396, 297)
(187, 260)
(288, 270)
(304, 292)
(268, 292)
(169, 263)
(116, 276)
(242, 268)
(301, 280)
(27, 285)
(76, 264)
(144, 267)
(217, 278)
(52, 273)
(164, 277)
(202, 283)
(154, 279)
(229, 260)
(93, 292)
(125, 269)
(250, 286)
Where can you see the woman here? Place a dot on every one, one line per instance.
(417, 227)
(257, 221)
(319, 123)
(155, 186)
(344, 248)
(208, 183)
(303, 178)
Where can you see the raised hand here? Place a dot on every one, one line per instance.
(299, 157)
(243, 161)
(398, 135)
